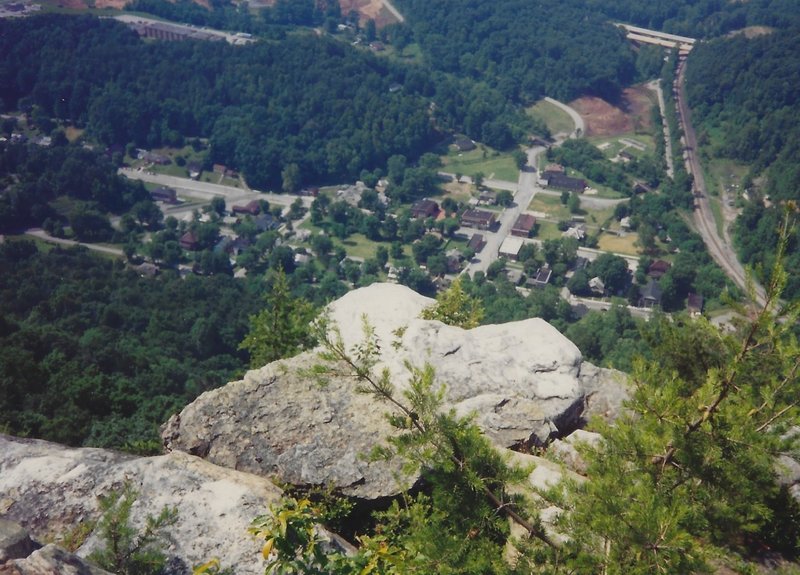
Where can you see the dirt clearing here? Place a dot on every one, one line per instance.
(604, 119)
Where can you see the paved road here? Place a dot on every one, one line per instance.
(207, 191)
(580, 125)
(43, 235)
(722, 253)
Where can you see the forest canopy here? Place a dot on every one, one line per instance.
(312, 101)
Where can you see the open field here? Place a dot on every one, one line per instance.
(556, 119)
(550, 205)
(619, 244)
(631, 116)
(491, 163)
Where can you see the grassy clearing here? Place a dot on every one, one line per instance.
(489, 162)
(716, 211)
(556, 119)
(619, 244)
(72, 133)
(458, 191)
(548, 231)
(550, 205)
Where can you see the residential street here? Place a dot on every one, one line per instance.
(43, 235)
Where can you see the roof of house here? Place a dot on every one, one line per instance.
(543, 275)
(478, 217)
(525, 222)
(652, 291)
(694, 301)
(568, 182)
(424, 207)
(658, 268)
(476, 242)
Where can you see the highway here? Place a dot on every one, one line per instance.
(722, 253)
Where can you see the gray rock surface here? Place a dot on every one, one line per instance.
(50, 560)
(49, 489)
(524, 382)
(565, 450)
(14, 541)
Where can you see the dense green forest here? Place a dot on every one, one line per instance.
(744, 94)
(310, 101)
(93, 354)
(528, 49)
(83, 183)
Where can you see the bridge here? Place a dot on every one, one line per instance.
(645, 36)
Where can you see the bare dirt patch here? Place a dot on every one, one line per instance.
(116, 4)
(369, 9)
(605, 119)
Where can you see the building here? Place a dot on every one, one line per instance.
(658, 268)
(510, 248)
(568, 183)
(424, 209)
(476, 243)
(464, 144)
(597, 286)
(252, 208)
(189, 241)
(164, 194)
(578, 232)
(266, 222)
(694, 304)
(541, 279)
(650, 295)
(524, 225)
(480, 219)
(454, 258)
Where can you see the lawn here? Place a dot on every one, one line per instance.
(619, 244)
(550, 205)
(548, 231)
(492, 164)
(556, 119)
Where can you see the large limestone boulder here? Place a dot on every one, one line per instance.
(49, 489)
(523, 381)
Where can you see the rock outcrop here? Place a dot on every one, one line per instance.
(50, 560)
(49, 489)
(524, 383)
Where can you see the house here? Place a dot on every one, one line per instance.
(424, 209)
(251, 208)
(625, 223)
(650, 295)
(464, 144)
(194, 169)
(153, 158)
(694, 304)
(578, 232)
(189, 242)
(524, 225)
(658, 268)
(568, 183)
(487, 198)
(454, 258)
(541, 279)
(641, 188)
(510, 248)
(220, 169)
(480, 219)
(146, 270)
(476, 243)
(266, 222)
(164, 194)
(597, 286)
